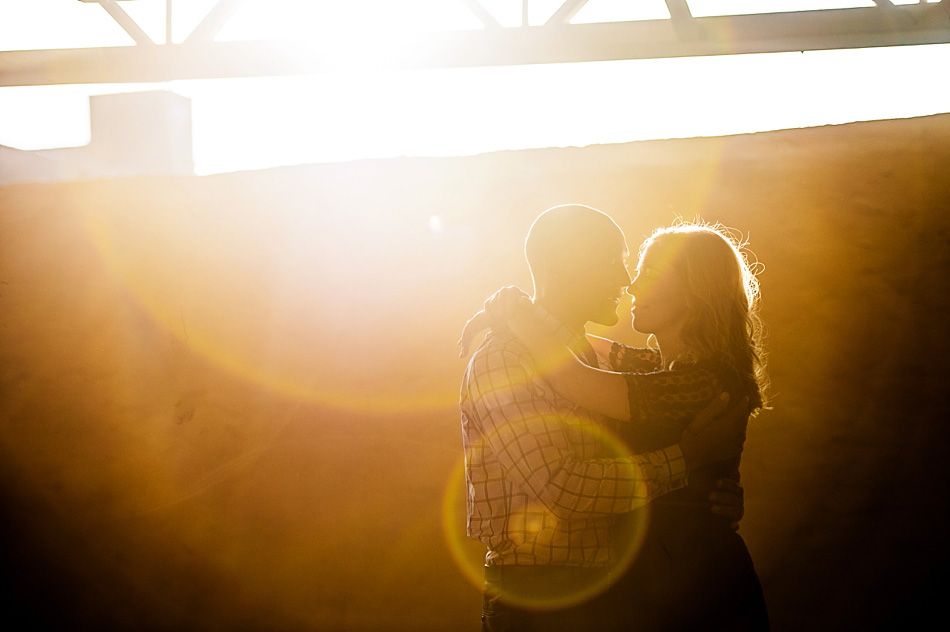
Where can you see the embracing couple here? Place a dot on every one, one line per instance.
(603, 478)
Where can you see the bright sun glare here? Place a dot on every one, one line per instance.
(362, 112)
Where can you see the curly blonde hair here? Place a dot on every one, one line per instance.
(723, 324)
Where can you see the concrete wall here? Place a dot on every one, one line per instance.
(229, 402)
(131, 133)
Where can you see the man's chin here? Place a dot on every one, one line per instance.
(607, 319)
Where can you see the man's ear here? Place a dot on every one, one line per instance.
(552, 268)
(540, 270)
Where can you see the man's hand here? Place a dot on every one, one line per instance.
(715, 435)
(504, 303)
(728, 501)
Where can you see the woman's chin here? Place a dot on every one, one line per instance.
(640, 328)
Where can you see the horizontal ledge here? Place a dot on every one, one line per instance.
(721, 35)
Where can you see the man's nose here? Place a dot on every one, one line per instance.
(633, 287)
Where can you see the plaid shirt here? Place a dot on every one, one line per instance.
(541, 487)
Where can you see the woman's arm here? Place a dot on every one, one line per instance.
(475, 325)
(600, 391)
(495, 313)
(647, 394)
(601, 345)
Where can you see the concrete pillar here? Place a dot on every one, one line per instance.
(142, 132)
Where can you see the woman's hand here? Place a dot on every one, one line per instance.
(499, 309)
(473, 326)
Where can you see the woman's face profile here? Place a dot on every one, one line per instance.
(659, 295)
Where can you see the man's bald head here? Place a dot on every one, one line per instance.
(565, 232)
(577, 259)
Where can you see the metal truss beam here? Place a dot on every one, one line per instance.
(493, 46)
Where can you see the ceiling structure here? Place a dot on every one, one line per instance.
(558, 40)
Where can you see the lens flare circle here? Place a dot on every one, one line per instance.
(627, 535)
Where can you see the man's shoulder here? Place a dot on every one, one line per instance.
(500, 351)
(501, 364)
(500, 345)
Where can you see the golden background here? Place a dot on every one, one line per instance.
(229, 402)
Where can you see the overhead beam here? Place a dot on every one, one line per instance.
(720, 35)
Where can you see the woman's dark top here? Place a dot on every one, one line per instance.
(691, 570)
(662, 405)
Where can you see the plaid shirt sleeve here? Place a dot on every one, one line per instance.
(540, 454)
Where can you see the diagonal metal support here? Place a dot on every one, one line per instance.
(682, 19)
(679, 10)
(127, 23)
(482, 14)
(215, 19)
(565, 12)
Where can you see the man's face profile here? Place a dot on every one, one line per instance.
(583, 266)
(600, 278)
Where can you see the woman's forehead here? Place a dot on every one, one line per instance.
(655, 254)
